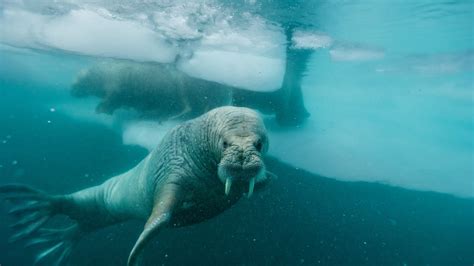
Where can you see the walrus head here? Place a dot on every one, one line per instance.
(242, 142)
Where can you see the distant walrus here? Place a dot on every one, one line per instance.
(156, 91)
(200, 168)
(162, 92)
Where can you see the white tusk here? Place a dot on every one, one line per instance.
(228, 184)
(251, 187)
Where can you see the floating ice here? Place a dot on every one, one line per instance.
(355, 53)
(432, 64)
(208, 43)
(234, 69)
(85, 32)
(145, 133)
(251, 56)
(310, 40)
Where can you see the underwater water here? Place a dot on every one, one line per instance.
(369, 108)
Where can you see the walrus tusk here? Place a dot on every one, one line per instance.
(228, 184)
(251, 187)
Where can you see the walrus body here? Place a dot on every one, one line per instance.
(201, 168)
(162, 92)
(155, 91)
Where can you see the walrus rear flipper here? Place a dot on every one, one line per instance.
(32, 209)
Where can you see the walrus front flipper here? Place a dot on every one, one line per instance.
(159, 218)
(32, 209)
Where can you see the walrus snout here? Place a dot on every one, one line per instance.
(242, 170)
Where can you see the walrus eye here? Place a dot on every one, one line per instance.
(225, 144)
(258, 145)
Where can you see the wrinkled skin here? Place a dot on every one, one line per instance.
(200, 168)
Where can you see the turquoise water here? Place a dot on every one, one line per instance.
(380, 173)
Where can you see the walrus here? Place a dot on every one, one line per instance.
(156, 91)
(162, 92)
(200, 168)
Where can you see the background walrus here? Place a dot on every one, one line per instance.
(155, 91)
(162, 92)
(201, 168)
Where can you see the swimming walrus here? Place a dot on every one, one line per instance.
(156, 91)
(162, 92)
(200, 168)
